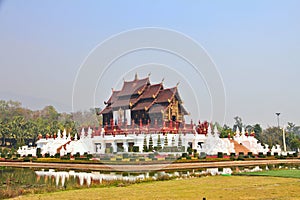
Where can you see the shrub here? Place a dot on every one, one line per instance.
(268, 153)
(47, 155)
(26, 159)
(184, 155)
(261, 155)
(189, 150)
(295, 154)
(105, 158)
(125, 155)
(232, 154)
(89, 156)
(202, 155)
(250, 154)
(57, 155)
(240, 157)
(196, 155)
(81, 158)
(77, 155)
(241, 153)
(220, 155)
(188, 157)
(275, 154)
(136, 148)
(38, 151)
(65, 158)
(151, 156)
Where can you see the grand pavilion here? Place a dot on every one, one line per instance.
(142, 117)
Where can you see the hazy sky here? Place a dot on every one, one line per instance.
(254, 44)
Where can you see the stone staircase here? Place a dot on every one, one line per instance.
(239, 148)
(62, 146)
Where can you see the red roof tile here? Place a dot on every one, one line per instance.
(157, 108)
(150, 92)
(133, 87)
(143, 105)
(165, 95)
(106, 110)
(121, 103)
(113, 97)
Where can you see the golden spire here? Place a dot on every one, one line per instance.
(136, 76)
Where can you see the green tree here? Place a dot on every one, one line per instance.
(145, 149)
(179, 142)
(166, 141)
(150, 144)
(238, 123)
(158, 142)
(257, 130)
(226, 131)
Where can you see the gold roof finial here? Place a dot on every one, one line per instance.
(136, 76)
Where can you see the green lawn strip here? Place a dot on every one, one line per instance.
(292, 173)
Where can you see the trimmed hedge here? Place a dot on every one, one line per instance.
(220, 154)
(136, 148)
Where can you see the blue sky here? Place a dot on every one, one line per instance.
(254, 44)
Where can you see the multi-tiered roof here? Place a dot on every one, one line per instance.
(141, 95)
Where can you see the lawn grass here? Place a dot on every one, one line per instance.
(211, 187)
(291, 173)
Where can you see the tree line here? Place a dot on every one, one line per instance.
(20, 126)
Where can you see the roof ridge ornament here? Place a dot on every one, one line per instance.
(136, 76)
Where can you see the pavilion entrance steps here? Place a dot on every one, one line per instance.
(62, 146)
(239, 148)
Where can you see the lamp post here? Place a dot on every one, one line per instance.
(283, 132)
(278, 113)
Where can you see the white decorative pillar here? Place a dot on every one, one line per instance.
(114, 146)
(125, 146)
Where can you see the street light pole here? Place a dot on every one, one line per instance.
(283, 138)
(283, 132)
(278, 113)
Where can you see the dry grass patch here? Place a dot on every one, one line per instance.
(213, 187)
